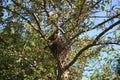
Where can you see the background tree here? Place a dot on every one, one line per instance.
(104, 67)
(26, 27)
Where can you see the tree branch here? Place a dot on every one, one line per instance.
(22, 7)
(91, 45)
(25, 43)
(79, 12)
(19, 15)
(96, 4)
(77, 56)
(35, 18)
(99, 17)
(44, 7)
(106, 21)
(39, 27)
(1, 39)
(106, 43)
(85, 48)
(106, 30)
(25, 20)
(95, 26)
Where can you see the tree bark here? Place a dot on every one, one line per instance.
(60, 71)
(59, 75)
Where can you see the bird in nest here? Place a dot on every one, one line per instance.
(54, 36)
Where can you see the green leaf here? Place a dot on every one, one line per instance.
(115, 32)
(103, 8)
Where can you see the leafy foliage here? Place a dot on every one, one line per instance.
(26, 25)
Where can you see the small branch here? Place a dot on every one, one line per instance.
(25, 59)
(22, 7)
(39, 27)
(96, 4)
(107, 43)
(69, 3)
(58, 27)
(19, 15)
(25, 20)
(90, 45)
(95, 26)
(36, 19)
(99, 16)
(39, 30)
(44, 6)
(1, 39)
(85, 48)
(60, 71)
(25, 43)
(106, 30)
(106, 21)
(77, 56)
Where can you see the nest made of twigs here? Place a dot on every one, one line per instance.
(59, 48)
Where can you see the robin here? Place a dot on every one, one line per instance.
(54, 36)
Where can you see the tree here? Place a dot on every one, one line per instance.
(105, 67)
(26, 26)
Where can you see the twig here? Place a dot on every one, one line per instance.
(106, 30)
(77, 56)
(25, 43)
(98, 25)
(90, 45)
(106, 21)
(1, 39)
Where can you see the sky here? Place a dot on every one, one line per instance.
(103, 55)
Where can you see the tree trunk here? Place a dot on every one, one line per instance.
(59, 75)
(60, 71)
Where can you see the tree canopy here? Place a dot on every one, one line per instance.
(53, 39)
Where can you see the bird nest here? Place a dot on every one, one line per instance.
(59, 48)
